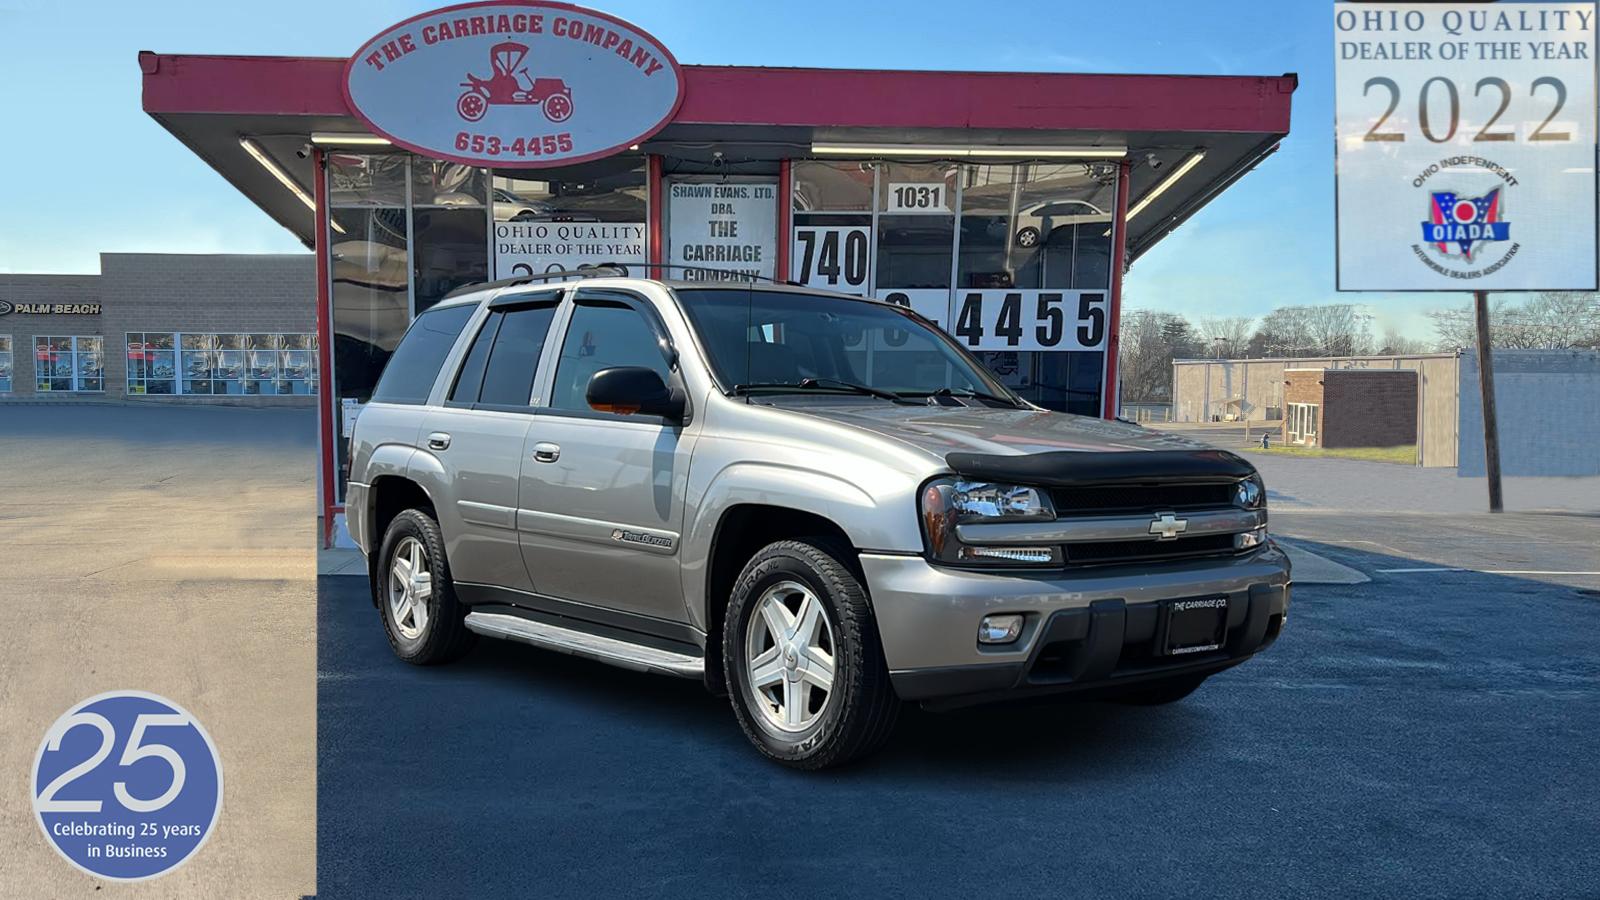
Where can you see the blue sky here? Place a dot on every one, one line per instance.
(87, 170)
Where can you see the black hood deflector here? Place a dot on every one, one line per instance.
(1069, 468)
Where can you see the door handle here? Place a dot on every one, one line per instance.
(438, 441)
(546, 452)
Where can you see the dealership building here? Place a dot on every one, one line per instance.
(501, 140)
(164, 328)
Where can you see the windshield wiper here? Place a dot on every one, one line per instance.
(966, 393)
(806, 384)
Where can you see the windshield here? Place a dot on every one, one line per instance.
(770, 338)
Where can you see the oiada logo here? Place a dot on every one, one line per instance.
(524, 83)
(1462, 231)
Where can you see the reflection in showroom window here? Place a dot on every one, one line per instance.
(68, 364)
(449, 231)
(152, 362)
(5, 364)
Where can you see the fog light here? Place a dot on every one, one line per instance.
(1248, 539)
(1000, 629)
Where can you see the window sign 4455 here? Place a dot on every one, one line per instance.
(1029, 319)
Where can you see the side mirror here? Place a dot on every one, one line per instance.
(626, 390)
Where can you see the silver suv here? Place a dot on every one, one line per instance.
(819, 505)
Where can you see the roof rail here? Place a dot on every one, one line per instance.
(602, 270)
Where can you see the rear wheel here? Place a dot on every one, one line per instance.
(805, 668)
(1159, 693)
(416, 597)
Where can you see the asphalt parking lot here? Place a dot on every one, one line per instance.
(1427, 733)
(173, 550)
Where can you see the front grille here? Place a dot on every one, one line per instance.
(1108, 552)
(1114, 498)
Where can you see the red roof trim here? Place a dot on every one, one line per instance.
(834, 98)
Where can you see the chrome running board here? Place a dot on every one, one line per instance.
(590, 646)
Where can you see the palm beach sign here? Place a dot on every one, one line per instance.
(514, 84)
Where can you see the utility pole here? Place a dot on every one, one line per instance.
(1491, 427)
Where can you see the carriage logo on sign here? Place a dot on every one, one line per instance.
(514, 84)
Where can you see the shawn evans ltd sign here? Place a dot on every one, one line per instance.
(514, 84)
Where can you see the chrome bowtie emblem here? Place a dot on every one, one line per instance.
(1168, 526)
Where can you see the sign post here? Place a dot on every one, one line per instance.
(1491, 425)
(1465, 155)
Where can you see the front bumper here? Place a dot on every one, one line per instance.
(1093, 629)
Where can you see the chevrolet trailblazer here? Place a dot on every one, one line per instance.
(819, 505)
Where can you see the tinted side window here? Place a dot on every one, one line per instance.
(470, 377)
(599, 337)
(508, 378)
(415, 364)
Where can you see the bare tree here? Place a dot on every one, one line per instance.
(1396, 344)
(1226, 335)
(1552, 320)
(1150, 340)
(1337, 329)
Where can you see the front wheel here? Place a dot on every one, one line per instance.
(421, 615)
(805, 668)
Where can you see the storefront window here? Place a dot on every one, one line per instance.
(360, 179)
(1035, 227)
(832, 206)
(226, 364)
(68, 364)
(5, 364)
(152, 363)
(571, 218)
(449, 229)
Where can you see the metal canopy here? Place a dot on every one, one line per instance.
(754, 115)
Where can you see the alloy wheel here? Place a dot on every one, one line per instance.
(410, 587)
(789, 655)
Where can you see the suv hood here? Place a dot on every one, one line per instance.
(942, 430)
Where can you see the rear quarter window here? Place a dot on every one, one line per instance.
(415, 365)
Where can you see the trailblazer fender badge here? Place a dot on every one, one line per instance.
(622, 535)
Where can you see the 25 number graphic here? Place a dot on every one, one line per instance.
(1452, 95)
(136, 750)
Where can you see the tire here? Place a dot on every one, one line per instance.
(1161, 692)
(1028, 237)
(852, 718)
(441, 636)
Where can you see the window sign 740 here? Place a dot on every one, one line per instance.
(1030, 319)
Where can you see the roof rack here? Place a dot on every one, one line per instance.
(602, 270)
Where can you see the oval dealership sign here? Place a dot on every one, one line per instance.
(514, 84)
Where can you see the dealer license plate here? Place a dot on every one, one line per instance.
(1195, 626)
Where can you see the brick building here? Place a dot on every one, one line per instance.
(180, 328)
(1350, 407)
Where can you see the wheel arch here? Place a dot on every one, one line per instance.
(387, 497)
(741, 531)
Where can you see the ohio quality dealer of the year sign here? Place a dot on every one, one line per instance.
(1465, 153)
(514, 84)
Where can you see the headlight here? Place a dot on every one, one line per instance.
(1251, 493)
(948, 502)
(974, 501)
